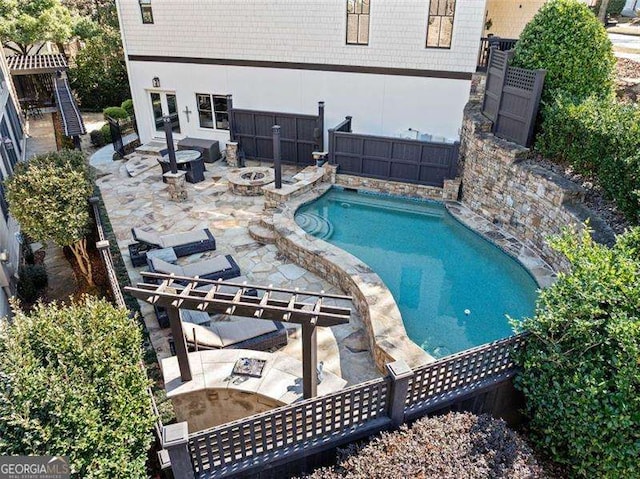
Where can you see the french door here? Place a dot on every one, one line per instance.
(165, 104)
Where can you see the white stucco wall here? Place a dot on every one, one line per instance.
(379, 104)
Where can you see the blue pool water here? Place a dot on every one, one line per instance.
(454, 289)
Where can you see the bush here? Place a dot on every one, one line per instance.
(566, 39)
(598, 137)
(115, 112)
(580, 366)
(32, 279)
(97, 138)
(72, 385)
(451, 446)
(106, 134)
(615, 7)
(127, 106)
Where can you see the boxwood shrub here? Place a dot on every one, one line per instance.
(566, 39)
(127, 106)
(71, 385)
(581, 364)
(599, 137)
(106, 134)
(115, 112)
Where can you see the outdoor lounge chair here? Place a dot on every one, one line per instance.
(220, 267)
(183, 244)
(231, 332)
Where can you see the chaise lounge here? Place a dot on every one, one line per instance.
(183, 244)
(220, 267)
(231, 332)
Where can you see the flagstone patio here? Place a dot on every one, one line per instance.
(142, 200)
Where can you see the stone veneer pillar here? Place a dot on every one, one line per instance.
(177, 185)
(232, 154)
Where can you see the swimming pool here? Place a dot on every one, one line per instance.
(454, 289)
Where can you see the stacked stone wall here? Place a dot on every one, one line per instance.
(524, 199)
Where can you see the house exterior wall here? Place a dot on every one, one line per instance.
(288, 55)
(509, 17)
(9, 228)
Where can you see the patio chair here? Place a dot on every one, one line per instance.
(183, 244)
(220, 267)
(231, 332)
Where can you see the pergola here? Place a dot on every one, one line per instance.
(180, 292)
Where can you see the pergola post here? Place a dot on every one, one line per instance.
(309, 360)
(180, 343)
(277, 160)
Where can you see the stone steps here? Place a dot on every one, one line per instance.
(266, 221)
(262, 234)
(153, 148)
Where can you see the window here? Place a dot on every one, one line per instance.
(16, 126)
(440, 24)
(7, 144)
(212, 107)
(358, 22)
(3, 201)
(146, 11)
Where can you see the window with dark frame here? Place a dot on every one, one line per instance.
(213, 111)
(146, 11)
(440, 23)
(358, 22)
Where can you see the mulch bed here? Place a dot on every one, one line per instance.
(628, 80)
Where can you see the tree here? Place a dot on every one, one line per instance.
(602, 11)
(566, 39)
(71, 384)
(103, 12)
(25, 23)
(49, 198)
(581, 363)
(99, 76)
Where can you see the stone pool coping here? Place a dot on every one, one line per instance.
(388, 339)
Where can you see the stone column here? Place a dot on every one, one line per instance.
(451, 189)
(232, 154)
(177, 185)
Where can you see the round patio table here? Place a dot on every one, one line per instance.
(189, 160)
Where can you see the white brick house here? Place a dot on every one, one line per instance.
(391, 64)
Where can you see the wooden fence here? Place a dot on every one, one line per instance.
(390, 158)
(512, 97)
(285, 434)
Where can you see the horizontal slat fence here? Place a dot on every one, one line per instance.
(512, 98)
(233, 447)
(434, 385)
(393, 159)
(286, 433)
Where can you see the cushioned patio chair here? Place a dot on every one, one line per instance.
(231, 332)
(183, 244)
(220, 267)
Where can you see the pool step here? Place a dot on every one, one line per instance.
(260, 233)
(315, 225)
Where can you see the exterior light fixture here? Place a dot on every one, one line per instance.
(156, 82)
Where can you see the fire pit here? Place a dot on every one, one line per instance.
(250, 180)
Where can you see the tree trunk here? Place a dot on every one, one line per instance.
(79, 250)
(602, 13)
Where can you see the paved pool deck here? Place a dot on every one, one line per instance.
(142, 201)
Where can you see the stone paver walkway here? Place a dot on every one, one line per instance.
(143, 201)
(62, 281)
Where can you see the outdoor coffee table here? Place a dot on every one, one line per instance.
(188, 160)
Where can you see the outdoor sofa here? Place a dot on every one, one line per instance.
(231, 332)
(183, 244)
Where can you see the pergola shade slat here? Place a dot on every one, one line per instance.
(34, 64)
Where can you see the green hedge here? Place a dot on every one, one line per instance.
(581, 363)
(106, 133)
(72, 385)
(115, 112)
(599, 137)
(127, 106)
(567, 40)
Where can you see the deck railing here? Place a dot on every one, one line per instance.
(289, 432)
(502, 44)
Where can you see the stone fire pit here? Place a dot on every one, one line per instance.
(250, 180)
